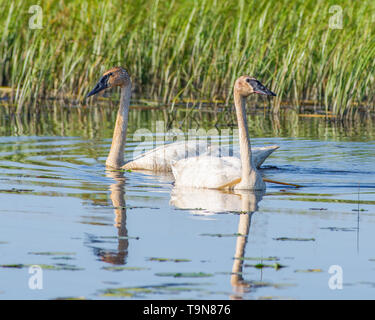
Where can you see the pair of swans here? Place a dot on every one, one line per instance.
(208, 170)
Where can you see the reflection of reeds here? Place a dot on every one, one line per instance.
(97, 123)
(192, 50)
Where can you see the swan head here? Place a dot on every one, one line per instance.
(115, 77)
(247, 85)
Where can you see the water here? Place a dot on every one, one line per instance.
(99, 234)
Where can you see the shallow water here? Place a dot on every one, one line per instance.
(99, 234)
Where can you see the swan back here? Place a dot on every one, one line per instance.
(206, 171)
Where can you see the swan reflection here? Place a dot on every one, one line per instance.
(117, 196)
(211, 201)
(207, 201)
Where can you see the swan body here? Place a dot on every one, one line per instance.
(214, 172)
(161, 158)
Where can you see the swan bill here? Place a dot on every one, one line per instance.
(259, 88)
(100, 86)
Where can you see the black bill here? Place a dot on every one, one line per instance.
(261, 89)
(101, 85)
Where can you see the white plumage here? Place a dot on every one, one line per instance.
(214, 171)
(162, 157)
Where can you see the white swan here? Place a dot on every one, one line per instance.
(160, 158)
(226, 172)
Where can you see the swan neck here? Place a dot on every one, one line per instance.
(243, 230)
(245, 146)
(116, 154)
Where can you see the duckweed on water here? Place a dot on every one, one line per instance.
(16, 266)
(184, 274)
(167, 260)
(293, 239)
(258, 258)
(276, 266)
(142, 291)
(58, 266)
(308, 270)
(63, 258)
(140, 207)
(53, 253)
(71, 298)
(338, 229)
(220, 235)
(330, 200)
(118, 268)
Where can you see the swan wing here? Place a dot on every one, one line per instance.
(162, 157)
(259, 154)
(207, 172)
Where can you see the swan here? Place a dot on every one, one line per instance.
(161, 158)
(227, 172)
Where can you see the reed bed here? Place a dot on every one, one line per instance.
(193, 49)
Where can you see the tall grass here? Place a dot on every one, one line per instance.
(193, 49)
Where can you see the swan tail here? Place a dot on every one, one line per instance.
(261, 154)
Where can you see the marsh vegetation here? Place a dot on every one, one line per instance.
(193, 50)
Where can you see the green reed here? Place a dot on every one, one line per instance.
(193, 49)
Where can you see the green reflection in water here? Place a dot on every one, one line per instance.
(98, 123)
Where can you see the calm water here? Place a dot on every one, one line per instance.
(99, 234)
